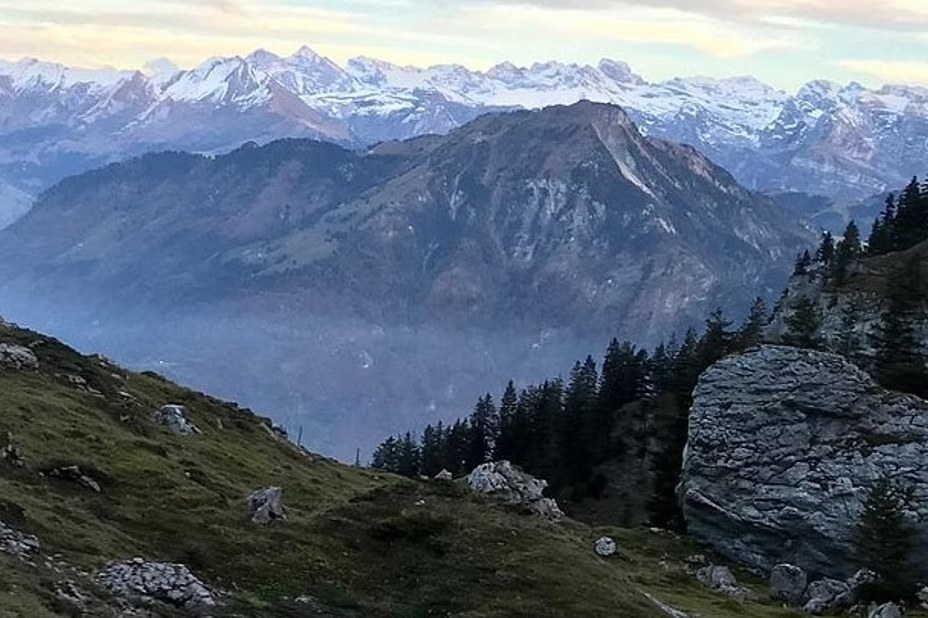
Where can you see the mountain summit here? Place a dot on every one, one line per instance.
(521, 224)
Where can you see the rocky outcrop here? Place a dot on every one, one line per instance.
(826, 595)
(266, 505)
(788, 584)
(175, 418)
(502, 480)
(722, 579)
(783, 446)
(73, 473)
(886, 610)
(17, 543)
(17, 357)
(444, 475)
(150, 584)
(864, 295)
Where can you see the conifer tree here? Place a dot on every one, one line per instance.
(386, 456)
(848, 341)
(881, 237)
(803, 325)
(911, 222)
(900, 363)
(408, 457)
(826, 249)
(484, 428)
(752, 331)
(717, 340)
(579, 409)
(803, 262)
(508, 408)
(847, 251)
(431, 453)
(884, 540)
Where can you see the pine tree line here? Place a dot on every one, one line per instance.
(632, 407)
(899, 362)
(904, 221)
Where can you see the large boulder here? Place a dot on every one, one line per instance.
(827, 595)
(722, 579)
(502, 480)
(17, 357)
(267, 505)
(783, 446)
(788, 584)
(150, 584)
(605, 546)
(176, 418)
(886, 610)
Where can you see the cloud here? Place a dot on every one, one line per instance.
(885, 14)
(897, 72)
(639, 26)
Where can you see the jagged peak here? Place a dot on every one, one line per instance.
(619, 71)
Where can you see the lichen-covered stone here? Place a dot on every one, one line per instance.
(783, 446)
(604, 546)
(17, 357)
(176, 418)
(504, 481)
(148, 584)
(266, 505)
(17, 543)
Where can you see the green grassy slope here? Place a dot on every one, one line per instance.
(358, 542)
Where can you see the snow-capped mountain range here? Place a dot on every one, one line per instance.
(846, 142)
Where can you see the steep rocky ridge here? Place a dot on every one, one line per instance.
(783, 446)
(571, 204)
(422, 269)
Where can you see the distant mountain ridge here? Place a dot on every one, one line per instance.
(843, 142)
(516, 236)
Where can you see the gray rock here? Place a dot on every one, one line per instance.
(11, 453)
(722, 579)
(783, 446)
(16, 543)
(148, 584)
(886, 610)
(826, 595)
(444, 475)
(17, 357)
(605, 546)
(716, 576)
(175, 418)
(502, 480)
(788, 584)
(74, 474)
(922, 597)
(266, 505)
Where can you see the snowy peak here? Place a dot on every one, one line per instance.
(841, 141)
(220, 80)
(619, 72)
(160, 70)
(32, 74)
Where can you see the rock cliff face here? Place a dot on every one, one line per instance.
(783, 446)
(866, 292)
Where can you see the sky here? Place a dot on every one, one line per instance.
(782, 42)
